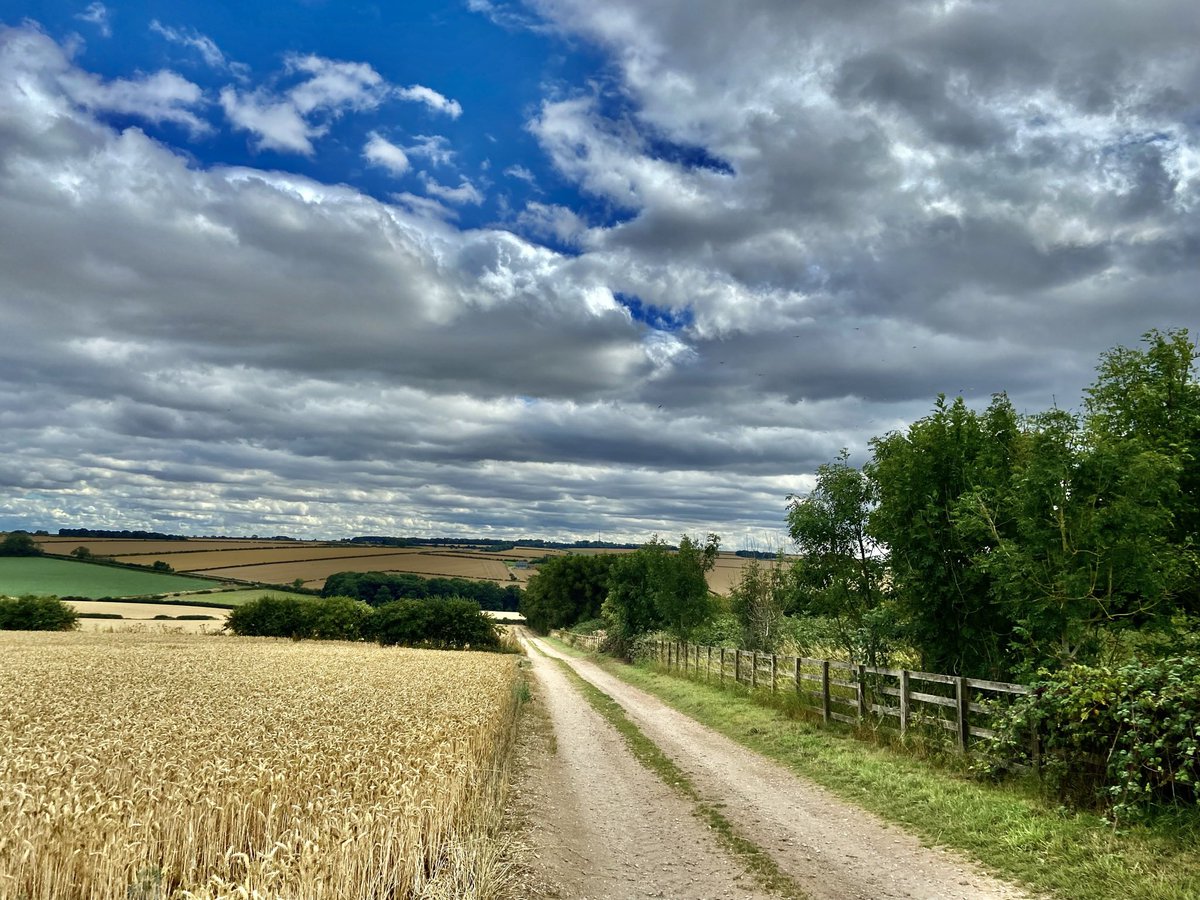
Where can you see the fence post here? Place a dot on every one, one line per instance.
(796, 675)
(737, 665)
(708, 664)
(825, 690)
(904, 688)
(962, 699)
(774, 666)
(722, 665)
(862, 693)
(754, 671)
(697, 669)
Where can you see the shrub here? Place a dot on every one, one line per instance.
(19, 543)
(1125, 738)
(30, 613)
(439, 622)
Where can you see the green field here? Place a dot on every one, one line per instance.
(67, 578)
(234, 598)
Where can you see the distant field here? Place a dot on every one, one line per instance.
(282, 562)
(230, 599)
(314, 572)
(202, 560)
(67, 578)
(63, 546)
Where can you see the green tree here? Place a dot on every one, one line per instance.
(81, 553)
(759, 600)
(656, 587)
(926, 478)
(565, 590)
(1147, 399)
(19, 543)
(1081, 544)
(840, 573)
(30, 613)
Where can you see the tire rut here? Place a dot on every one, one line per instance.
(832, 849)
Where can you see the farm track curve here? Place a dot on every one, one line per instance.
(601, 826)
(832, 849)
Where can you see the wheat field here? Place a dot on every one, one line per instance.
(148, 767)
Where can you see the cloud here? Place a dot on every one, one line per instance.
(844, 208)
(97, 14)
(431, 98)
(464, 193)
(202, 44)
(276, 123)
(521, 174)
(382, 152)
(432, 147)
(289, 120)
(40, 79)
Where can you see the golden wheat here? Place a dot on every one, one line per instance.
(175, 766)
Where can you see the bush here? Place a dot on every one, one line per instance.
(30, 613)
(330, 618)
(1125, 738)
(19, 543)
(439, 622)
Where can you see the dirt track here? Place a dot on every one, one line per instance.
(603, 827)
(832, 849)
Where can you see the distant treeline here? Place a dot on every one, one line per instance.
(378, 588)
(128, 535)
(492, 544)
(125, 534)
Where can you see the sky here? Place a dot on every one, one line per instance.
(561, 268)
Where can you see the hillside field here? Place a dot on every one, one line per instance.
(142, 765)
(67, 578)
(283, 562)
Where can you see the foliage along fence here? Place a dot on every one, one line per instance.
(850, 692)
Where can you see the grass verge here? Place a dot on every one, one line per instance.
(648, 754)
(1008, 827)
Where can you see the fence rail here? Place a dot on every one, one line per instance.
(851, 693)
(840, 691)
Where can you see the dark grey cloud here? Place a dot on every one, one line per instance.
(911, 198)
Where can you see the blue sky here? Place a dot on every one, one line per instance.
(559, 267)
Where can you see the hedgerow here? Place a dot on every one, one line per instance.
(1124, 738)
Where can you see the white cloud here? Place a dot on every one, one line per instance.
(521, 174)
(433, 147)
(431, 98)
(37, 77)
(98, 15)
(382, 152)
(464, 193)
(276, 123)
(202, 44)
(334, 86)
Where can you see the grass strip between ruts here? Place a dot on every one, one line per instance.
(760, 864)
(1008, 827)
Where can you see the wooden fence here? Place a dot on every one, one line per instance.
(853, 693)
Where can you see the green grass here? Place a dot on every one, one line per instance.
(1008, 827)
(231, 599)
(21, 575)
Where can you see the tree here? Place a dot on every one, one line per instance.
(760, 599)
(81, 553)
(839, 575)
(655, 587)
(19, 543)
(160, 566)
(926, 479)
(1081, 544)
(1148, 400)
(566, 590)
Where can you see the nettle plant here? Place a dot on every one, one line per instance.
(1125, 738)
